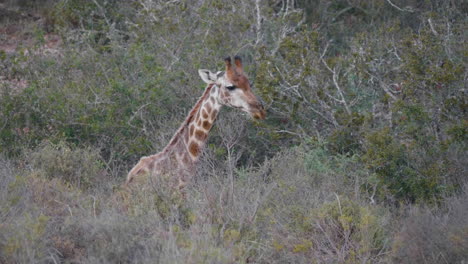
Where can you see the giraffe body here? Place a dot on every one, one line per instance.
(178, 159)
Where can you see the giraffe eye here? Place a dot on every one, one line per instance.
(231, 87)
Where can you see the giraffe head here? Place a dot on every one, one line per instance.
(234, 88)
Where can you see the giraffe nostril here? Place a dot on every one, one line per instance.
(260, 106)
(260, 115)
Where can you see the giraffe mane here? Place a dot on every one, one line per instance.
(197, 106)
(191, 115)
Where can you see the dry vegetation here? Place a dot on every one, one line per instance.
(362, 158)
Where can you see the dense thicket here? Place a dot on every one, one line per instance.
(361, 157)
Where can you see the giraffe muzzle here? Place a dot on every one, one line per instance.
(258, 112)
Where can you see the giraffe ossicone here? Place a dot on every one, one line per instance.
(178, 159)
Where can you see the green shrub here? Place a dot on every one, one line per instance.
(23, 240)
(356, 233)
(347, 138)
(392, 163)
(301, 223)
(82, 168)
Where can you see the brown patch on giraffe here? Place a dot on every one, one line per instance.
(208, 107)
(213, 114)
(186, 136)
(194, 149)
(200, 135)
(192, 129)
(206, 125)
(204, 114)
(212, 99)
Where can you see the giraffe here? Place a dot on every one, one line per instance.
(178, 159)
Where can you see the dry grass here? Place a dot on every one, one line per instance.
(277, 213)
(434, 235)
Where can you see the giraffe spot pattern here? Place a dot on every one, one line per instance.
(194, 149)
(186, 136)
(213, 114)
(208, 107)
(204, 114)
(206, 125)
(200, 135)
(192, 129)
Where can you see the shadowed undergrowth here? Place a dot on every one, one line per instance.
(277, 213)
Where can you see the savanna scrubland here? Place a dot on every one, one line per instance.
(362, 157)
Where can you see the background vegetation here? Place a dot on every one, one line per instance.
(362, 158)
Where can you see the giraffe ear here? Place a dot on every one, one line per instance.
(219, 74)
(207, 76)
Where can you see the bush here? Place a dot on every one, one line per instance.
(81, 168)
(304, 217)
(32, 208)
(348, 232)
(23, 240)
(434, 235)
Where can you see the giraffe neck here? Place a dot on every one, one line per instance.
(191, 137)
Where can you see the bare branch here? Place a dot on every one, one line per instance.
(259, 22)
(384, 86)
(432, 27)
(407, 9)
(335, 81)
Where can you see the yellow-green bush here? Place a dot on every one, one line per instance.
(24, 239)
(81, 168)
